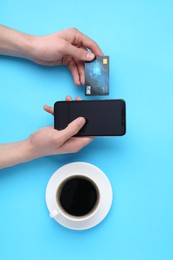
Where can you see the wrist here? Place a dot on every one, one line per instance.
(24, 152)
(29, 151)
(25, 47)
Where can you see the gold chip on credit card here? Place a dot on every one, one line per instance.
(105, 61)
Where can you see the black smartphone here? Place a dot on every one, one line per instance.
(103, 117)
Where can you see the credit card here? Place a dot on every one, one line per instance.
(97, 76)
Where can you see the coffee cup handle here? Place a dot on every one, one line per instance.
(54, 213)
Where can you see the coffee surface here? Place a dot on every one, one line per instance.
(78, 196)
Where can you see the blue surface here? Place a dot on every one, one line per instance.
(138, 36)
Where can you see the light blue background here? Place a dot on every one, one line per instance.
(138, 36)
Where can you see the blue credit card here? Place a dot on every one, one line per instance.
(97, 76)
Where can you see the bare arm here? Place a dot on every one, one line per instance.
(15, 153)
(15, 43)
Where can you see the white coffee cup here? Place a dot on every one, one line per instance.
(78, 195)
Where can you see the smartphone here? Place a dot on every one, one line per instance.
(103, 117)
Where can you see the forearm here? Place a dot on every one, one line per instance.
(15, 153)
(15, 43)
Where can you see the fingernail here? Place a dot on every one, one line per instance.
(90, 56)
(81, 121)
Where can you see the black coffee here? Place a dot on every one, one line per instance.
(78, 196)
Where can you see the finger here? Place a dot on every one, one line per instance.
(88, 43)
(47, 63)
(74, 71)
(68, 98)
(80, 66)
(78, 53)
(73, 128)
(78, 98)
(49, 109)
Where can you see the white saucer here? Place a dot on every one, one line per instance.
(83, 169)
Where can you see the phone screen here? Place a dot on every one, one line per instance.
(103, 117)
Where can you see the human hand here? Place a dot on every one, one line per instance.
(68, 47)
(46, 141)
(49, 141)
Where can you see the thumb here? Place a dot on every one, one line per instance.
(79, 53)
(73, 128)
